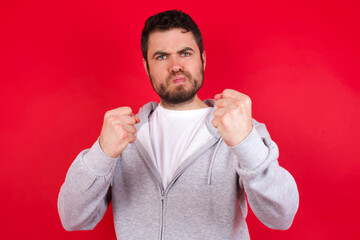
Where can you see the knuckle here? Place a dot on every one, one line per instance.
(232, 111)
(126, 109)
(124, 135)
(246, 99)
(227, 90)
(238, 103)
(118, 127)
(226, 119)
(230, 92)
(112, 119)
(223, 119)
(107, 114)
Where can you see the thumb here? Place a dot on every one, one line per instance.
(137, 120)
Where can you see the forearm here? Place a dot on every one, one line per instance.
(271, 190)
(273, 196)
(84, 196)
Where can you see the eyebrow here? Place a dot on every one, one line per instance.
(186, 49)
(166, 54)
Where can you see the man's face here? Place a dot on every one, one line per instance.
(175, 68)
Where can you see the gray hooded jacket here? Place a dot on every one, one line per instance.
(205, 200)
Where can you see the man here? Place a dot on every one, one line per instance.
(179, 169)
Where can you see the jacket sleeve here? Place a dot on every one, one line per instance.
(271, 190)
(85, 194)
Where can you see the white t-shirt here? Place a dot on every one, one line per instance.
(174, 136)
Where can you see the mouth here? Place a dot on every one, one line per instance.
(179, 79)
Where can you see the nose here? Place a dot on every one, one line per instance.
(175, 65)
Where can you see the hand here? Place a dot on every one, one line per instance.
(232, 117)
(118, 131)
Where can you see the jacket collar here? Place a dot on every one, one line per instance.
(147, 109)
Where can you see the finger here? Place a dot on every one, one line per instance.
(225, 102)
(218, 96)
(230, 93)
(215, 122)
(137, 120)
(124, 120)
(219, 112)
(124, 111)
(121, 127)
(130, 129)
(121, 111)
(132, 138)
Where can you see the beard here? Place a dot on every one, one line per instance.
(179, 94)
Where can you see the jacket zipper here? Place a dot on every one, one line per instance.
(162, 214)
(163, 193)
(159, 182)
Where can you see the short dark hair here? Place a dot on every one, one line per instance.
(166, 21)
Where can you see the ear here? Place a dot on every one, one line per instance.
(145, 66)
(204, 59)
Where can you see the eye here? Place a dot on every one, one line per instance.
(161, 57)
(186, 54)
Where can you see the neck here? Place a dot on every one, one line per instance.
(194, 103)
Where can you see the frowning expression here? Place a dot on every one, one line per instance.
(175, 65)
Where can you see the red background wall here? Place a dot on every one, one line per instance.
(64, 63)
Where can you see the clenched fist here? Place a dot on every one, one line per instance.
(117, 131)
(232, 117)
